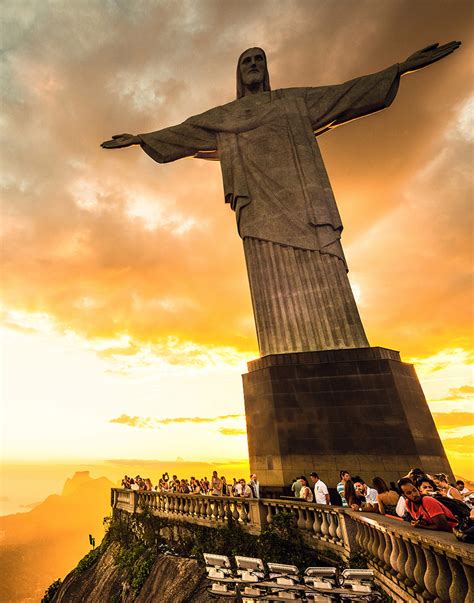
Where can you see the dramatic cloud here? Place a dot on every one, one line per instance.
(153, 423)
(143, 263)
(108, 243)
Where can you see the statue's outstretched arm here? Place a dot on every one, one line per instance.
(184, 140)
(332, 106)
(427, 56)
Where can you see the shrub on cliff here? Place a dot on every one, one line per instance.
(51, 591)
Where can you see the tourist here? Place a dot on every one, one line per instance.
(184, 487)
(370, 494)
(216, 484)
(353, 498)
(463, 491)
(321, 492)
(387, 498)
(441, 480)
(305, 492)
(238, 488)
(467, 495)
(426, 512)
(174, 484)
(133, 484)
(426, 486)
(194, 486)
(244, 490)
(415, 474)
(255, 485)
(148, 485)
(164, 483)
(296, 487)
(226, 489)
(344, 476)
(234, 488)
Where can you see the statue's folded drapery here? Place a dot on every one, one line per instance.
(275, 180)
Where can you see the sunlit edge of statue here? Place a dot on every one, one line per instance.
(275, 180)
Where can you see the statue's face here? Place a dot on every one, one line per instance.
(252, 67)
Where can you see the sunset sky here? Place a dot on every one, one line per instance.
(125, 304)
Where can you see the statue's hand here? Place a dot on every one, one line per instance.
(120, 141)
(426, 56)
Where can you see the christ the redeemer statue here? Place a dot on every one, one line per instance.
(275, 181)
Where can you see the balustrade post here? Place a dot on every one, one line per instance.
(419, 573)
(235, 510)
(410, 564)
(402, 561)
(348, 528)
(301, 521)
(258, 514)
(324, 525)
(469, 571)
(444, 579)
(374, 546)
(430, 573)
(387, 552)
(244, 517)
(336, 517)
(317, 523)
(393, 559)
(458, 590)
(332, 526)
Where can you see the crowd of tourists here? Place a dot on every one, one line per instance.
(426, 501)
(216, 486)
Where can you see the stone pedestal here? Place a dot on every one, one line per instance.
(360, 409)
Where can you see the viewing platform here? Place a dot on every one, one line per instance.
(410, 564)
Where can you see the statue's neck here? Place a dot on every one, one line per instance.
(253, 88)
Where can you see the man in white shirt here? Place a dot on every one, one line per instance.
(364, 490)
(255, 485)
(321, 493)
(245, 490)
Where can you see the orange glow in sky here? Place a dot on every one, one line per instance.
(125, 304)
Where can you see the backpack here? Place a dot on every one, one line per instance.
(458, 508)
(464, 531)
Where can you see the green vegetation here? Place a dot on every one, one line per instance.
(280, 542)
(88, 560)
(51, 591)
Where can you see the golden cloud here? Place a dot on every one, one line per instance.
(153, 423)
(449, 420)
(464, 445)
(458, 393)
(227, 431)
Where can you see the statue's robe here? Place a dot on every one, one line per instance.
(275, 180)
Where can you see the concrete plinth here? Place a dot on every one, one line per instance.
(361, 409)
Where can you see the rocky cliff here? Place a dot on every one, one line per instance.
(171, 579)
(145, 558)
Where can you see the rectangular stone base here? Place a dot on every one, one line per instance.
(362, 410)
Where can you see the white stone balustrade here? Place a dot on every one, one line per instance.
(410, 564)
(413, 564)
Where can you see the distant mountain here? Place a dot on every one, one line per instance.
(43, 544)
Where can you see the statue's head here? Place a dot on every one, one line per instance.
(252, 72)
